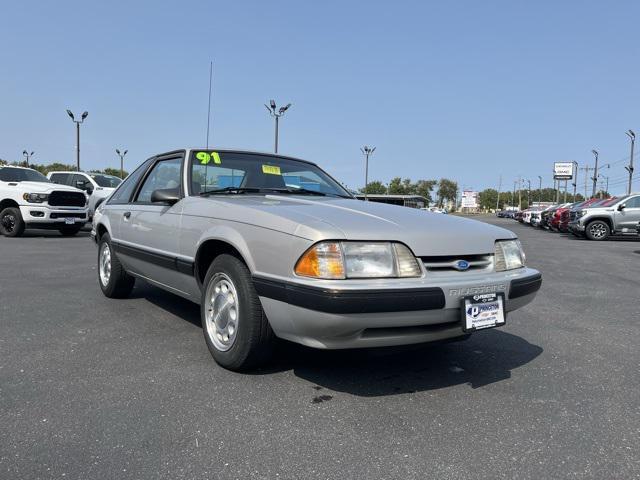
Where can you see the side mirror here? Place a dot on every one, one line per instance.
(622, 207)
(166, 195)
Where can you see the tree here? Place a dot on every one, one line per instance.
(424, 189)
(395, 187)
(114, 172)
(488, 198)
(375, 188)
(447, 190)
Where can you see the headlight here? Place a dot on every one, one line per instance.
(508, 254)
(36, 197)
(581, 213)
(340, 260)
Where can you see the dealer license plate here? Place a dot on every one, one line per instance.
(483, 311)
(69, 221)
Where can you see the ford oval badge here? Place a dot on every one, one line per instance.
(461, 265)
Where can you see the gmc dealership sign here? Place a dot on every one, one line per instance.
(563, 170)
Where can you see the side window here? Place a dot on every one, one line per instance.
(164, 174)
(59, 178)
(79, 181)
(633, 202)
(123, 194)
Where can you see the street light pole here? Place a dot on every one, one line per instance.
(629, 169)
(595, 173)
(276, 113)
(121, 155)
(27, 156)
(77, 122)
(366, 151)
(529, 195)
(575, 180)
(540, 189)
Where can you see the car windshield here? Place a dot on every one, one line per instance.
(10, 174)
(235, 173)
(108, 181)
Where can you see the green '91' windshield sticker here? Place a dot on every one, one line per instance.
(205, 157)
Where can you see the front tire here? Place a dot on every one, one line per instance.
(598, 230)
(11, 222)
(235, 327)
(114, 281)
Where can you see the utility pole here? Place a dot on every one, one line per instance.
(629, 169)
(121, 155)
(575, 180)
(276, 113)
(595, 173)
(566, 183)
(586, 178)
(366, 151)
(499, 187)
(519, 193)
(77, 122)
(529, 195)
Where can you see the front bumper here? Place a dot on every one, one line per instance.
(576, 227)
(332, 318)
(43, 216)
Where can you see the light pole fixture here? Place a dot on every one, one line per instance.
(276, 113)
(27, 156)
(121, 155)
(629, 168)
(366, 151)
(77, 122)
(595, 173)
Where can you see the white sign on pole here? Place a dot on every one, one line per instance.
(469, 199)
(563, 170)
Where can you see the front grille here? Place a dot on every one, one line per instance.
(67, 215)
(447, 263)
(67, 199)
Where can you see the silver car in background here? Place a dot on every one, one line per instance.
(273, 247)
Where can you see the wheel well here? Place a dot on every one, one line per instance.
(207, 252)
(602, 219)
(6, 203)
(101, 230)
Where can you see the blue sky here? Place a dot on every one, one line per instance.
(467, 90)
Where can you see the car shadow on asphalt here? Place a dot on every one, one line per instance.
(53, 234)
(486, 357)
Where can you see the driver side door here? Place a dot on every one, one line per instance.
(149, 231)
(629, 216)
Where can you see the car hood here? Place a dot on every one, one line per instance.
(42, 187)
(323, 218)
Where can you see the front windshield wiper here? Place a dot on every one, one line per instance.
(231, 190)
(305, 191)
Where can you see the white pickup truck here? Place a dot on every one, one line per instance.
(29, 200)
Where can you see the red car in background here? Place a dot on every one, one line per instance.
(565, 215)
(554, 223)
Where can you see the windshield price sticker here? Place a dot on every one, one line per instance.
(271, 170)
(206, 157)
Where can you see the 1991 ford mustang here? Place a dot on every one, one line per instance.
(272, 246)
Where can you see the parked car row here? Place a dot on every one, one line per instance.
(62, 201)
(595, 219)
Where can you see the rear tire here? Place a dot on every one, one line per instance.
(114, 281)
(597, 230)
(70, 231)
(235, 327)
(11, 222)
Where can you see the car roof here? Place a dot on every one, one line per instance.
(227, 150)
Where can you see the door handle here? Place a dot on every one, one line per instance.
(127, 215)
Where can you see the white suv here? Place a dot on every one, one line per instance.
(97, 185)
(29, 200)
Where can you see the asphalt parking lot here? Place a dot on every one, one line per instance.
(99, 388)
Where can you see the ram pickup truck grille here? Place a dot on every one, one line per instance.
(67, 199)
(55, 215)
(449, 263)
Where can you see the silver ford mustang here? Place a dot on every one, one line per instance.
(272, 246)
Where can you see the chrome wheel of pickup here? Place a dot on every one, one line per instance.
(105, 264)
(222, 312)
